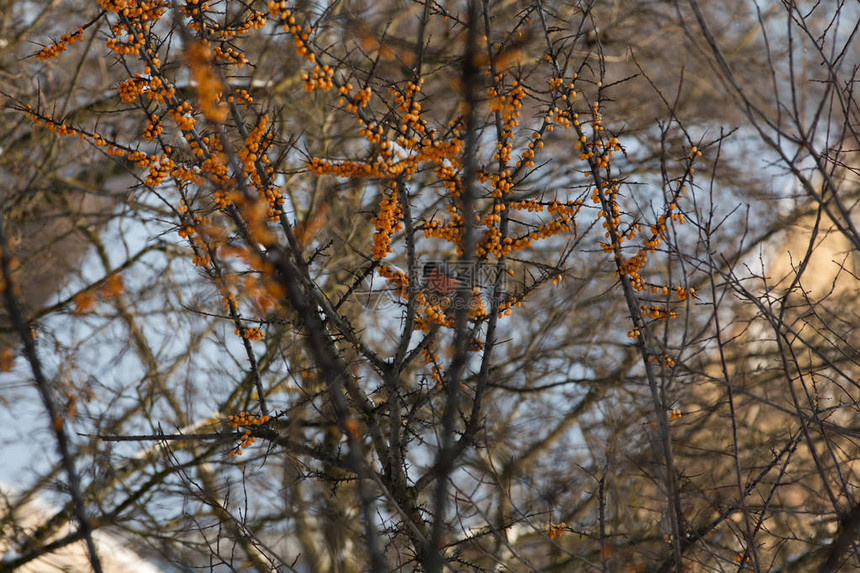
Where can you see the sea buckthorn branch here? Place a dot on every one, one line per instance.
(253, 155)
(249, 422)
(215, 170)
(597, 154)
(446, 172)
(208, 151)
(212, 165)
(199, 233)
(320, 347)
(436, 372)
(301, 40)
(367, 169)
(506, 110)
(180, 111)
(274, 438)
(387, 221)
(66, 40)
(606, 194)
(113, 149)
(501, 217)
(502, 203)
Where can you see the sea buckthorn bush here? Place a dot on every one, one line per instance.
(424, 287)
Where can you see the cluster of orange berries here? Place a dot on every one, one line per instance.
(320, 77)
(527, 158)
(134, 43)
(658, 234)
(512, 301)
(228, 300)
(450, 232)
(555, 83)
(201, 259)
(684, 294)
(599, 151)
(252, 333)
(501, 182)
(554, 227)
(181, 116)
(353, 103)
(300, 36)
(215, 164)
(256, 144)
(153, 128)
(159, 171)
(387, 221)
(398, 279)
(58, 48)
(411, 109)
(255, 21)
(183, 173)
(362, 98)
(434, 310)
(476, 305)
(556, 530)
(631, 268)
(494, 216)
(374, 135)
(240, 96)
(435, 369)
(248, 421)
(190, 226)
(413, 137)
(446, 172)
(131, 88)
(657, 312)
(46, 121)
(437, 151)
(612, 214)
(136, 9)
(665, 360)
(193, 230)
(492, 245)
(508, 106)
(345, 169)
